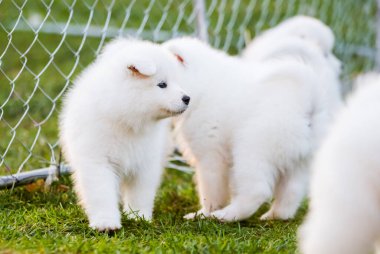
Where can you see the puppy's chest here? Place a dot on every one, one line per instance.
(208, 123)
(129, 156)
(205, 133)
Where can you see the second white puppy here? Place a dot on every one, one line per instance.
(309, 41)
(112, 132)
(328, 72)
(249, 131)
(344, 214)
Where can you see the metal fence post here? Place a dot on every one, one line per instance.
(202, 22)
(377, 60)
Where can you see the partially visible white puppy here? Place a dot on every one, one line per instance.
(311, 42)
(329, 88)
(249, 131)
(344, 214)
(304, 27)
(112, 132)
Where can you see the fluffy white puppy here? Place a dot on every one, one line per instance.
(305, 27)
(310, 41)
(112, 132)
(248, 136)
(329, 88)
(344, 214)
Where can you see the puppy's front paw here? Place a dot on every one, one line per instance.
(268, 215)
(202, 214)
(223, 216)
(228, 214)
(279, 215)
(105, 224)
(139, 215)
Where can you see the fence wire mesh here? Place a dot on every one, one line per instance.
(45, 43)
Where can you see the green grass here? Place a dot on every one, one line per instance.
(51, 222)
(35, 70)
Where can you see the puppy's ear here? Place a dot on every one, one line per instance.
(179, 58)
(176, 52)
(142, 68)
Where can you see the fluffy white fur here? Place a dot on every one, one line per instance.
(249, 132)
(308, 53)
(293, 46)
(304, 27)
(310, 42)
(344, 214)
(112, 132)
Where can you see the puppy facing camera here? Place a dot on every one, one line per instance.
(114, 131)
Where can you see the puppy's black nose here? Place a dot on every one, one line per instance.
(186, 99)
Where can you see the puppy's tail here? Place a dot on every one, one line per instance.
(301, 50)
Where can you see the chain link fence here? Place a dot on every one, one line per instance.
(44, 44)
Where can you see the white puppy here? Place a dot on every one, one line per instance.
(112, 132)
(308, 28)
(309, 41)
(329, 87)
(344, 214)
(249, 131)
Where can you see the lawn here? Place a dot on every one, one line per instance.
(36, 67)
(37, 221)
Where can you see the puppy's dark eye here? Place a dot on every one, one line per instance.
(162, 85)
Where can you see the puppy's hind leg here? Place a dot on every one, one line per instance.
(289, 192)
(98, 190)
(212, 184)
(252, 185)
